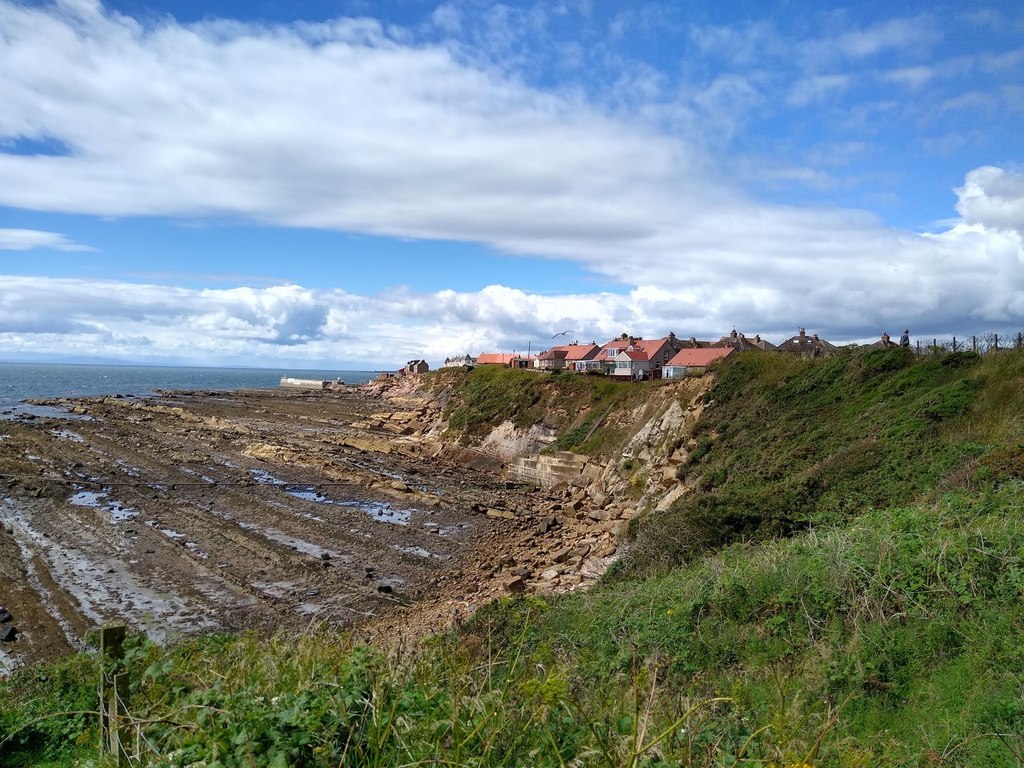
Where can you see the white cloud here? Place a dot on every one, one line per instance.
(351, 131)
(895, 34)
(27, 239)
(817, 87)
(862, 278)
(993, 198)
(448, 18)
(347, 126)
(743, 45)
(910, 77)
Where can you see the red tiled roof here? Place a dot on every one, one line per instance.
(700, 357)
(613, 347)
(650, 346)
(496, 358)
(574, 352)
(634, 354)
(555, 353)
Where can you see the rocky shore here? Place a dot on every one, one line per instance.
(277, 509)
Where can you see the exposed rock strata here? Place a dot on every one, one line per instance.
(221, 510)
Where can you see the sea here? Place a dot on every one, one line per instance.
(23, 381)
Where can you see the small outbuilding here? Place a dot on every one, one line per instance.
(693, 362)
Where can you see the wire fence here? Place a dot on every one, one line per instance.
(978, 343)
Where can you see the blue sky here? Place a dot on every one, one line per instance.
(355, 184)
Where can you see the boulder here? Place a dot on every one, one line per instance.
(545, 524)
(580, 551)
(561, 555)
(8, 634)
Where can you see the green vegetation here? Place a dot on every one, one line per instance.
(903, 628)
(844, 589)
(47, 713)
(789, 444)
(489, 395)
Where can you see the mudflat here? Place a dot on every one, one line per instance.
(266, 509)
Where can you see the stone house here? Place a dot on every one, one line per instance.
(414, 367)
(807, 346)
(742, 343)
(459, 361)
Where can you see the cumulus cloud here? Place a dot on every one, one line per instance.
(331, 125)
(348, 126)
(27, 239)
(993, 198)
(280, 323)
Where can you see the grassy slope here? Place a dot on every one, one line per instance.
(882, 629)
(789, 444)
(487, 396)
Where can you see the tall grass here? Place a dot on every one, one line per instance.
(892, 638)
(786, 445)
(891, 641)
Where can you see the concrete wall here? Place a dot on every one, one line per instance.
(287, 381)
(548, 469)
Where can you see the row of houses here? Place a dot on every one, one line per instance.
(636, 358)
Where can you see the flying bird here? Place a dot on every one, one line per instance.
(563, 333)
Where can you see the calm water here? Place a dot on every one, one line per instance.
(19, 381)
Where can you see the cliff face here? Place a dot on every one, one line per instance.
(631, 444)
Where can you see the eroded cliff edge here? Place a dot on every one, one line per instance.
(387, 507)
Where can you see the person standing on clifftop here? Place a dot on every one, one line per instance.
(905, 339)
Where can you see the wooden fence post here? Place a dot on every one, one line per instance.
(114, 725)
(120, 726)
(974, 344)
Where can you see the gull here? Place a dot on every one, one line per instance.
(563, 333)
